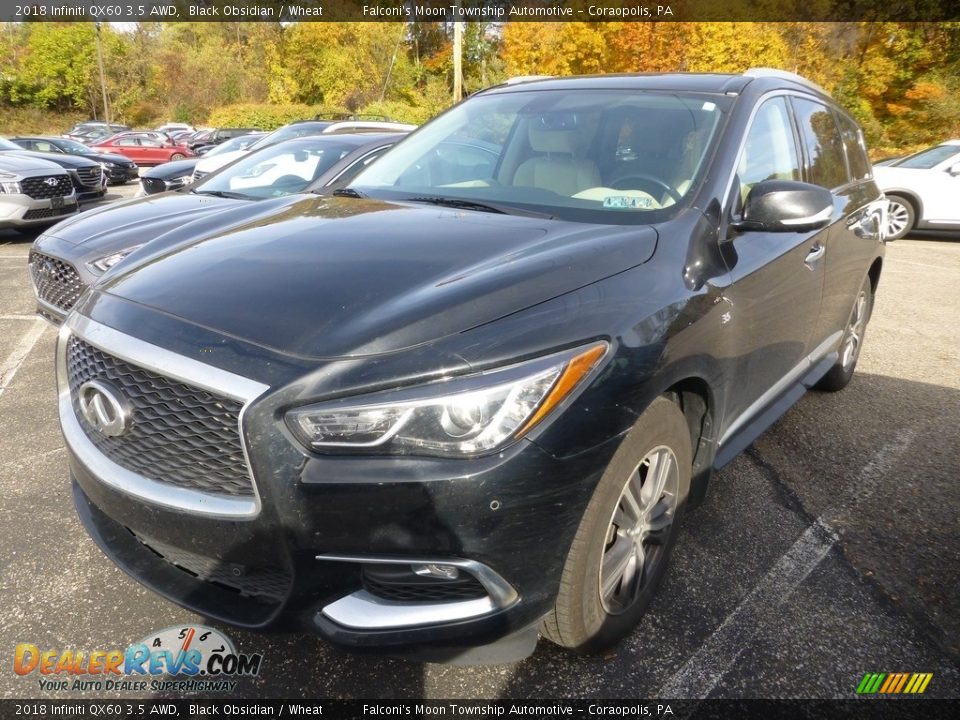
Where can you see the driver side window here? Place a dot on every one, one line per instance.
(770, 151)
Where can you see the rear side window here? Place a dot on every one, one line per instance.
(770, 152)
(823, 144)
(856, 148)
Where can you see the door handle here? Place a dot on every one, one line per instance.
(816, 252)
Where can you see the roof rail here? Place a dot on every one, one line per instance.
(525, 78)
(762, 72)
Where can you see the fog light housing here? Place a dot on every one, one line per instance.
(433, 570)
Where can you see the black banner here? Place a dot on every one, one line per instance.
(475, 10)
(866, 708)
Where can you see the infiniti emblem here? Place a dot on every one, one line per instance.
(104, 408)
(52, 181)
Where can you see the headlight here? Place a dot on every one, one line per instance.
(178, 182)
(108, 165)
(108, 261)
(467, 415)
(8, 184)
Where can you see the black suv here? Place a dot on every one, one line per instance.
(470, 396)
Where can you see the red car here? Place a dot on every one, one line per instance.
(143, 149)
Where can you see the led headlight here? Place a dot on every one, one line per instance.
(466, 415)
(8, 185)
(178, 182)
(107, 165)
(108, 261)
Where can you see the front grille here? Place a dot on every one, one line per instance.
(179, 435)
(428, 590)
(57, 282)
(42, 213)
(264, 584)
(153, 185)
(47, 186)
(90, 176)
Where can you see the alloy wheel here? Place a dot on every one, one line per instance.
(898, 218)
(638, 530)
(854, 335)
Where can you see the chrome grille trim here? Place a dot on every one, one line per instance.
(55, 281)
(175, 367)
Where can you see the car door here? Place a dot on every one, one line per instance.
(940, 192)
(835, 159)
(773, 301)
(152, 151)
(130, 147)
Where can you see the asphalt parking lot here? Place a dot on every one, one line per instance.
(829, 549)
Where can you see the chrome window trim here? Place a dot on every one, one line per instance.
(363, 610)
(175, 367)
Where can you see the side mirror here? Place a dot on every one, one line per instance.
(954, 169)
(786, 206)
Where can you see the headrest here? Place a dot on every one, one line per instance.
(554, 141)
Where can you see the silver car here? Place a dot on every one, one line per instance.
(34, 192)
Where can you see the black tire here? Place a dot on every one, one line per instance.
(901, 217)
(177, 156)
(839, 376)
(581, 619)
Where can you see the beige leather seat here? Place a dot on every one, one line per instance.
(558, 169)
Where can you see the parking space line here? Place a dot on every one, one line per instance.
(20, 352)
(707, 666)
(18, 317)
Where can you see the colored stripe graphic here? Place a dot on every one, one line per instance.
(894, 683)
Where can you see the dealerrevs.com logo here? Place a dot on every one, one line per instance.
(176, 659)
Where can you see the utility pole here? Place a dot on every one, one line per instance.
(457, 60)
(103, 77)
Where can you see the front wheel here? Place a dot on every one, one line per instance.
(901, 217)
(177, 156)
(619, 554)
(841, 373)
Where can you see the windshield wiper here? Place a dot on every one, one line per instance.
(222, 194)
(462, 204)
(346, 192)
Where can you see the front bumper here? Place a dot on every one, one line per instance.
(122, 174)
(317, 525)
(24, 211)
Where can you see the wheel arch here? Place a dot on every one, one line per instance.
(695, 399)
(911, 196)
(874, 274)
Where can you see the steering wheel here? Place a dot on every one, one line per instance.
(619, 184)
(288, 180)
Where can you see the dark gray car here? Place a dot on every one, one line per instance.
(85, 247)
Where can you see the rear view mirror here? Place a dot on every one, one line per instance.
(786, 206)
(300, 156)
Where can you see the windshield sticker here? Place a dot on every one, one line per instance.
(626, 202)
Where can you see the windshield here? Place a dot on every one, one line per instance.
(277, 171)
(929, 158)
(237, 143)
(7, 145)
(74, 147)
(611, 156)
(289, 132)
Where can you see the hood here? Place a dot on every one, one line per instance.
(15, 162)
(173, 169)
(334, 277)
(71, 162)
(136, 221)
(101, 157)
(209, 164)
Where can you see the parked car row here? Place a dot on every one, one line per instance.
(429, 393)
